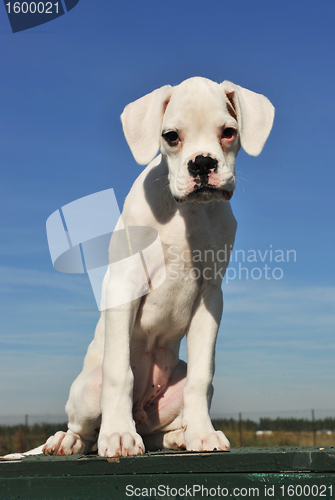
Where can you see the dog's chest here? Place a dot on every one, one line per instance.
(191, 249)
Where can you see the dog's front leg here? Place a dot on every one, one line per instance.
(201, 338)
(118, 434)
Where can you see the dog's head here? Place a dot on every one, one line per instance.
(199, 126)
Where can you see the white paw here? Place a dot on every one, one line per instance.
(214, 440)
(126, 444)
(64, 443)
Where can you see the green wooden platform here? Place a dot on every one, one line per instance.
(271, 473)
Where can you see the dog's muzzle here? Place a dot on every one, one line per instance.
(200, 169)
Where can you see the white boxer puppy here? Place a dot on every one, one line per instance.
(134, 389)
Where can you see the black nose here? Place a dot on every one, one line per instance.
(202, 165)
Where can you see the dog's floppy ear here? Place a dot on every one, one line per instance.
(142, 120)
(255, 115)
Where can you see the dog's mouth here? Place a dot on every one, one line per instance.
(206, 193)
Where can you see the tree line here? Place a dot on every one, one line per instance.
(277, 424)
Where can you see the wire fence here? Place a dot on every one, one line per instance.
(258, 416)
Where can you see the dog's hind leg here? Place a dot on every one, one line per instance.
(83, 406)
(83, 409)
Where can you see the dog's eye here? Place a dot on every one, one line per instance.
(229, 133)
(172, 138)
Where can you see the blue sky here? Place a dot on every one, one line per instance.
(64, 86)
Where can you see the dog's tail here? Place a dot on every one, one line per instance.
(19, 456)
